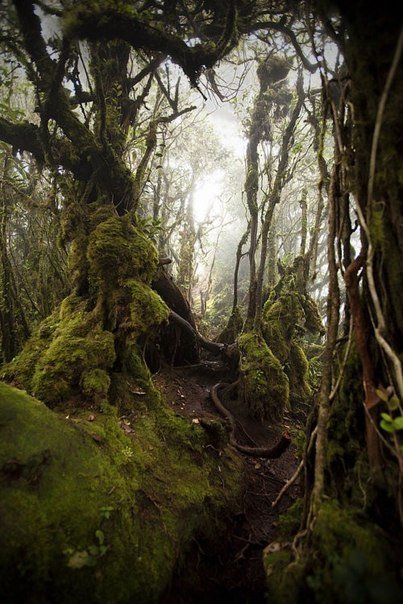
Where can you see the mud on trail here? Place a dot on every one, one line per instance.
(231, 571)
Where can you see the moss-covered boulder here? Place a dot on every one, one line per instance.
(264, 384)
(92, 513)
(348, 560)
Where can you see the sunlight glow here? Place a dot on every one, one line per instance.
(207, 194)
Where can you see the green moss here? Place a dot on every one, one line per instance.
(90, 514)
(118, 251)
(348, 560)
(67, 346)
(279, 323)
(313, 321)
(22, 368)
(147, 309)
(70, 355)
(289, 523)
(73, 353)
(297, 370)
(95, 382)
(264, 383)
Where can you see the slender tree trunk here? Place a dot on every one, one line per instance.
(272, 254)
(238, 258)
(333, 301)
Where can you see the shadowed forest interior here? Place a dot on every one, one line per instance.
(201, 237)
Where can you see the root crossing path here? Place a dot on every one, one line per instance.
(234, 573)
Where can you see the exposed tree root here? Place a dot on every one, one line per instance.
(269, 452)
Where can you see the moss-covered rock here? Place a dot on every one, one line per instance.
(264, 384)
(91, 514)
(348, 560)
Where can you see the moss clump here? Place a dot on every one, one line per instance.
(91, 514)
(147, 309)
(285, 317)
(264, 383)
(95, 383)
(118, 251)
(63, 352)
(280, 320)
(22, 367)
(347, 561)
(313, 322)
(298, 373)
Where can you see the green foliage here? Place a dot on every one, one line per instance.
(390, 424)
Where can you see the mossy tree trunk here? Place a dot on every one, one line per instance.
(283, 175)
(367, 180)
(373, 51)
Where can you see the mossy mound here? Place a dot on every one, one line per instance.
(348, 561)
(118, 251)
(66, 349)
(92, 514)
(264, 384)
(147, 309)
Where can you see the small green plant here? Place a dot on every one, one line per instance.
(79, 558)
(105, 512)
(389, 423)
(127, 453)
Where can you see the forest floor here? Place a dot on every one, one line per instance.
(233, 573)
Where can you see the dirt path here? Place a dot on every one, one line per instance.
(235, 573)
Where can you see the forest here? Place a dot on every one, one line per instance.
(201, 254)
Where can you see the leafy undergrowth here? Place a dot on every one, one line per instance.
(91, 512)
